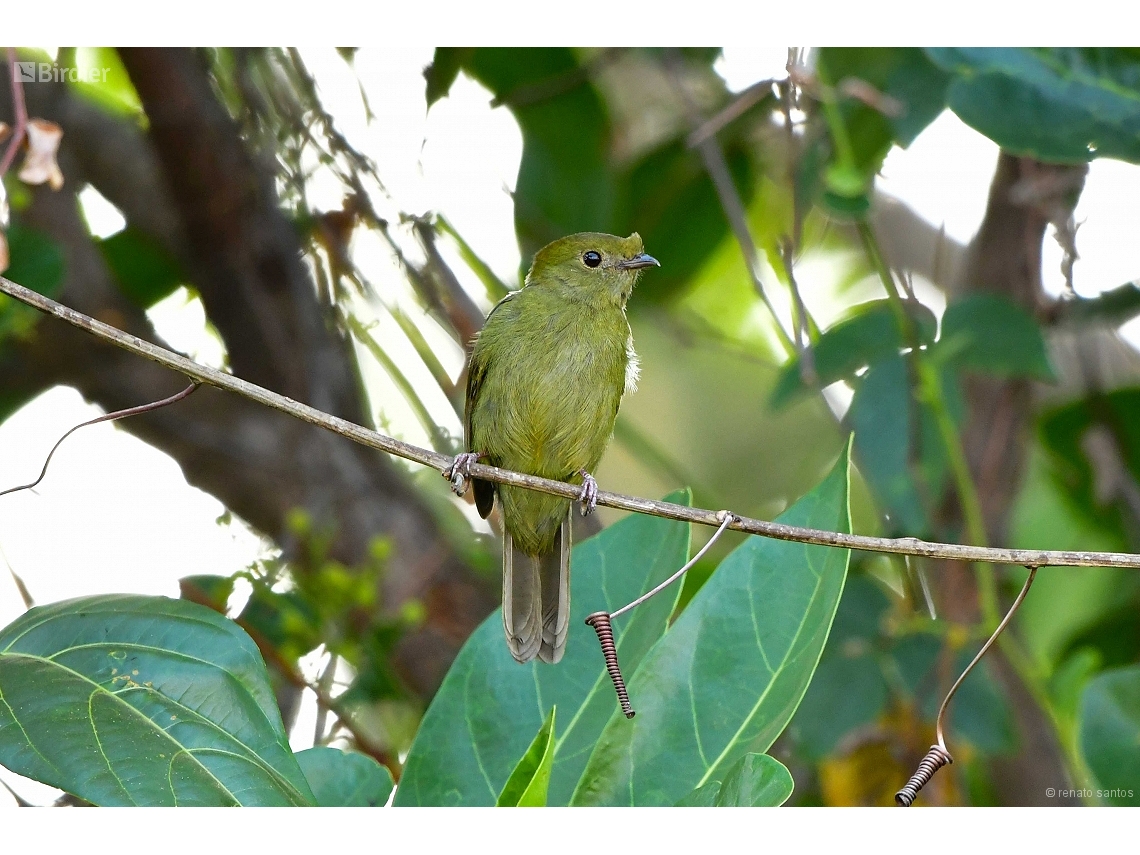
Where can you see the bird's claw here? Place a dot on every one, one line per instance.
(589, 495)
(459, 472)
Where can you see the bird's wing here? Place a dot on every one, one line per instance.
(476, 372)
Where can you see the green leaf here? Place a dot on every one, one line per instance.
(869, 334)
(905, 75)
(755, 780)
(478, 723)
(1109, 734)
(848, 690)
(131, 700)
(980, 713)
(564, 183)
(904, 467)
(345, 778)
(1056, 104)
(443, 71)
(990, 333)
(106, 82)
(730, 672)
(144, 270)
(36, 260)
(1066, 432)
(667, 197)
(703, 796)
(528, 783)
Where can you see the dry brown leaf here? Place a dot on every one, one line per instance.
(5, 260)
(40, 165)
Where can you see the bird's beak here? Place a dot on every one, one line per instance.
(639, 261)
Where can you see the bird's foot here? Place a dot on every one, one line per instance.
(459, 472)
(589, 495)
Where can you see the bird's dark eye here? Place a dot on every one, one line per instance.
(591, 258)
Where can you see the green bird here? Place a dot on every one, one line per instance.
(545, 379)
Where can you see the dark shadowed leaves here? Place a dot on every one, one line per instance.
(131, 700)
(1109, 733)
(144, 270)
(897, 446)
(991, 334)
(730, 672)
(848, 689)
(1057, 104)
(345, 778)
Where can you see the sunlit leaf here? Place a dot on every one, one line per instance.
(728, 675)
(528, 783)
(131, 700)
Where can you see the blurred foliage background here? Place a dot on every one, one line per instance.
(984, 410)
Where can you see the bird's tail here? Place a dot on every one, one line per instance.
(536, 598)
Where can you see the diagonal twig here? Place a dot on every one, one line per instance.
(667, 510)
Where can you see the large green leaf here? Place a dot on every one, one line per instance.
(728, 675)
(483, 716)
(345, 778)
(869, 334)
(530, 780)
(131, 700)
(1058, 104)
(1109, 734)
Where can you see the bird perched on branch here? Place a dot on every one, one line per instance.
(546, 376)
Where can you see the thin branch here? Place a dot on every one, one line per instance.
(736, 108)
(106, 417)
(717, 167)
(21, 111)
(667, 510)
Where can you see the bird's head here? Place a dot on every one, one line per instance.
(591, 265)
